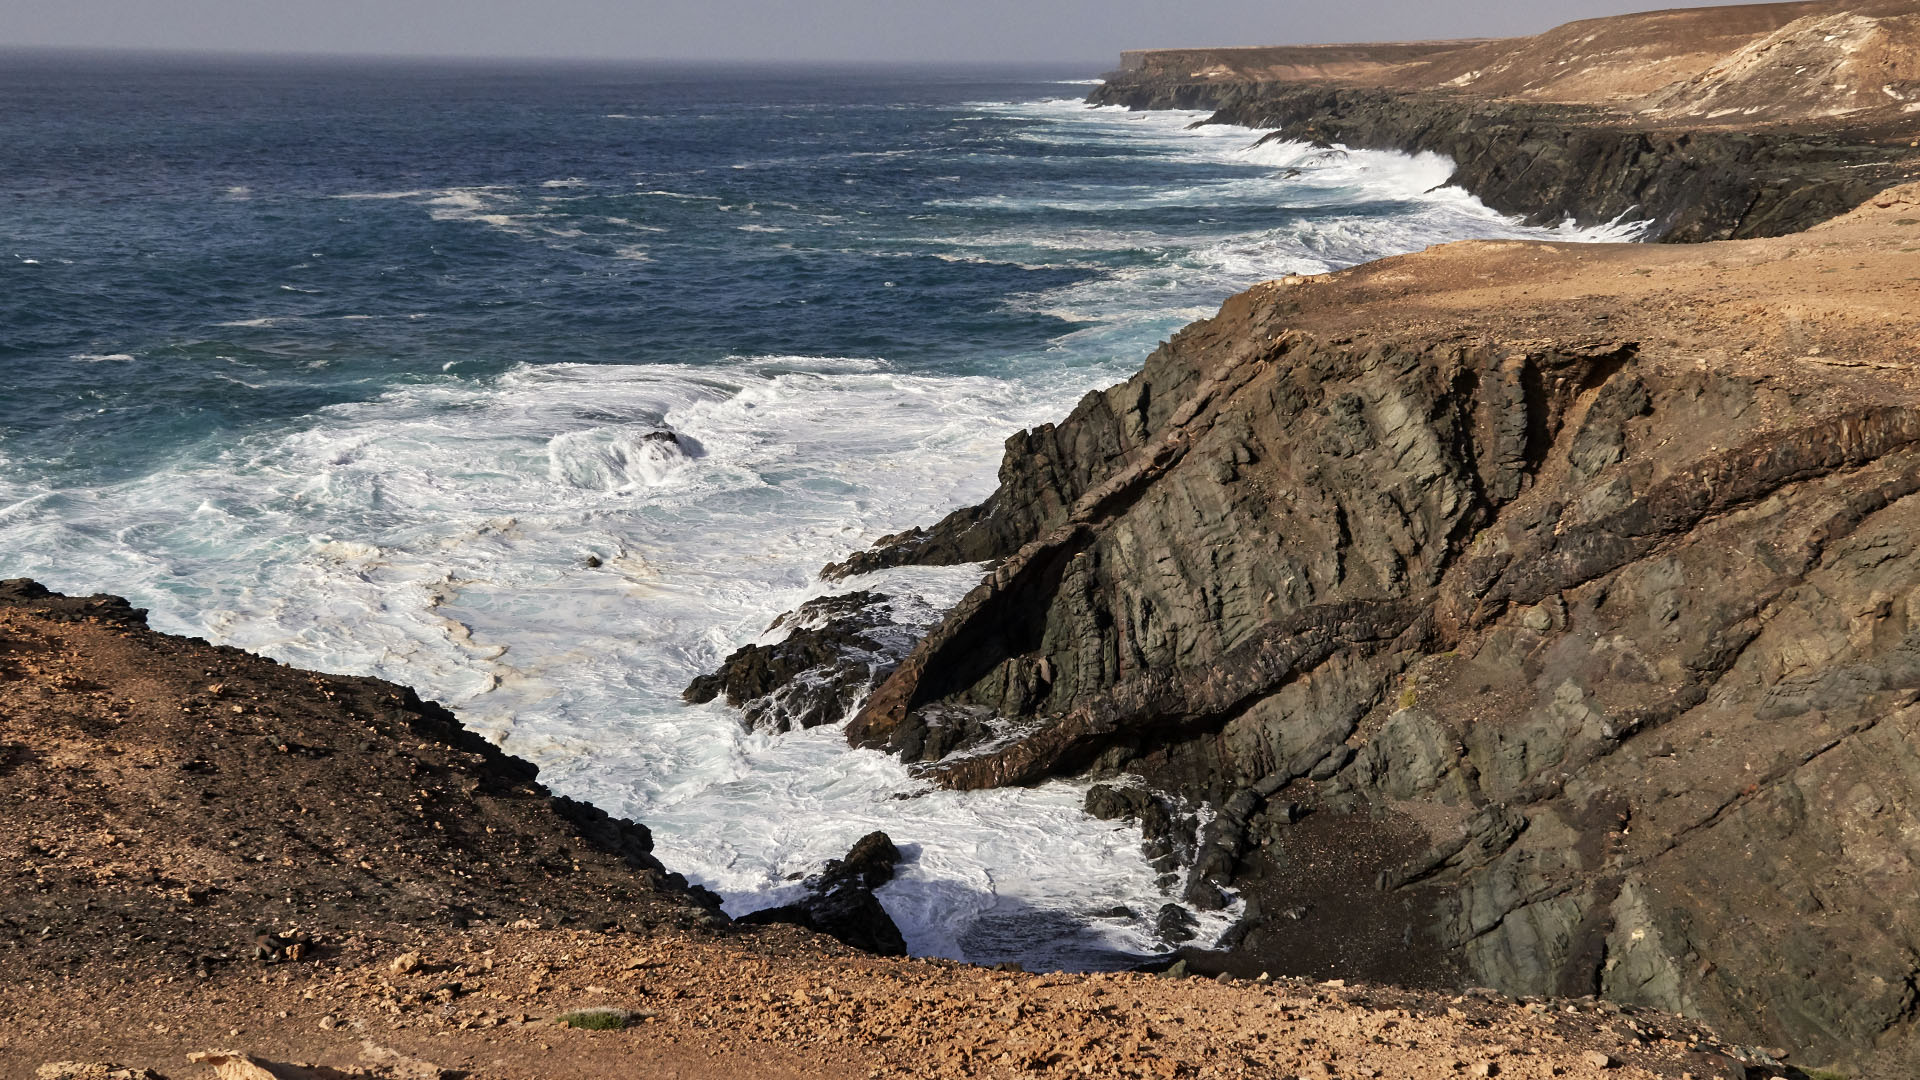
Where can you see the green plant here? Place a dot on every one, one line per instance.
(596, 1019)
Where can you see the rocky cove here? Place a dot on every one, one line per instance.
(1534, 616)
(1516, 637)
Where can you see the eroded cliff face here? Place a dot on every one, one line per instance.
(1551, 163)
(1541, 616)
(1706, 123)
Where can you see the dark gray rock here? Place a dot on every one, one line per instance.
(1176, 924)
(836, 650)
(1406, 607)
(840, 901)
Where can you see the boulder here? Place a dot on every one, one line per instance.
(839, 901)
(836, 650)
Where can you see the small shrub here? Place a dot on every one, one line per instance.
(596, 1019)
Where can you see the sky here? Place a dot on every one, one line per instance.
(1080, 31)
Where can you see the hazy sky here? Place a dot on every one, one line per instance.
(1088, 31)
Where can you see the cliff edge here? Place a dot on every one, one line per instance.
(1534, 615)
(1708, 123)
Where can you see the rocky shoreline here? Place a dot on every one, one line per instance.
(221, 866)
(1524, 615)
(1508, 605)
(1553, 163)
(1536, 618)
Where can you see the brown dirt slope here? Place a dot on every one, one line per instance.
(1742, 64)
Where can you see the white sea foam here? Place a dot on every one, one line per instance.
(438, 534)
(1334, 207)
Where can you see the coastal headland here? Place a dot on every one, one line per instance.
(1523, 638)
(1709, 123)
(1529, 615)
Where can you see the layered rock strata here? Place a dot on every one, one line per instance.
(429, 911)
(1534, 615)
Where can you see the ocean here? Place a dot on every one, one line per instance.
(353, 364)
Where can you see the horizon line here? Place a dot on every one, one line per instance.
(177, 53)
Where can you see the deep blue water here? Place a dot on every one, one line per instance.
(152, 207)
(354, 363)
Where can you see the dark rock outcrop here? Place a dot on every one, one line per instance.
(840, 901)
(837, 649)
(1518, 646)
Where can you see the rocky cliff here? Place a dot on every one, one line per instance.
(1552, 163)
(1540, 616)
(1708, 123)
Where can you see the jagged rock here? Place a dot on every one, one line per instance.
(1176, 924)
(1572, 155)
(90, 1070)
(1611, 651)
(837, 649)
(840, 901)
(1108, 802)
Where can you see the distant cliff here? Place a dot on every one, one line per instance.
(1755, 120)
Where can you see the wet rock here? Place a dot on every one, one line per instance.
(840, 903)
(1109, 802)
(836, 650)
(1204, 894)
(1176, 924)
